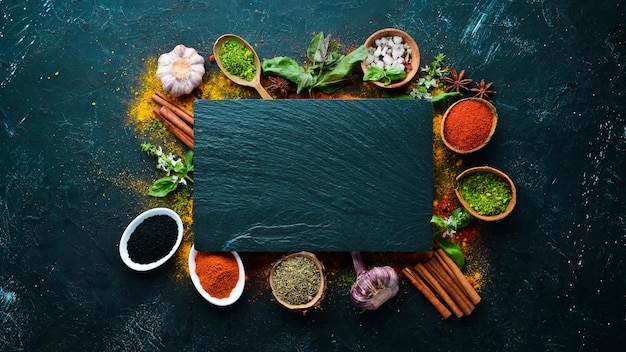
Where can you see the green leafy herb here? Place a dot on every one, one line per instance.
(375, 73)
(177, 170)
(326, 69)
(430, 79)
(447, 227)
(452, 250)
(444, 96)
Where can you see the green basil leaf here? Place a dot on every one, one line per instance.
(343, 67)
(444, 96)
(313, 52)
(374, 73)
(462, 216)
(180, 168)
(290, 69)
(438, 220)
(396, 74)
(162, 186)
(189, 160)
(453, 250)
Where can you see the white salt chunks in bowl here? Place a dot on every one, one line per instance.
(392, 48)
(390, 52)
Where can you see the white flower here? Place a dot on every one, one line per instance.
(450, 221)
(177, 179)
(427, 82)
(180, 70)
(162, 164)
(448, 233)
(172, 160)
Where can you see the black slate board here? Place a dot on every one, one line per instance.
(317, 175)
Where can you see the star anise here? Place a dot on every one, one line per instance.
(279, 85)
(482, 90)
(457, 82)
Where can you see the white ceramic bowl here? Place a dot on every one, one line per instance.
(234, 295)
(131, 228)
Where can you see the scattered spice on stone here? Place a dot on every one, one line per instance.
(218, 273)
(296, 280)
(152, 239)
(468, 125)
(238, 59)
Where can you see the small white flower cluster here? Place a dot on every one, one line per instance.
(168, 164)
(389, 52)
(451, 222)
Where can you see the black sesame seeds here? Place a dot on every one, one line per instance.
(152, 239)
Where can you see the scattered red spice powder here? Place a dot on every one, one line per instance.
(444, 207)
(218, 273)
(467, 125)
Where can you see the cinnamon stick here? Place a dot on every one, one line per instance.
(175, 120)
(425, 290)
(188, 141)
(456, 273)
(450, 286)
(421, 270)
(183, 113)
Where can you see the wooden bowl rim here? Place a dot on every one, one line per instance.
(494, 123)
(415, 54)
(490, 169)
(315, 302)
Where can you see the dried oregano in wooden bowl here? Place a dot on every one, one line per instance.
(298, 282)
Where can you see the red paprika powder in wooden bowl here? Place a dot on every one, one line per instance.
(218, 276)
(468, 125)
(298, 282)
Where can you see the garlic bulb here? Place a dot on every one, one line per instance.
(372, 287)
(180, 70)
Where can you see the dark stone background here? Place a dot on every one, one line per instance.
(557, 262)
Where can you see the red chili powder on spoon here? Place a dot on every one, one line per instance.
(467, 125)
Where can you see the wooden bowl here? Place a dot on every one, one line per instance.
(466, 205)
(315, 302)
(484, 143)
(415, 55)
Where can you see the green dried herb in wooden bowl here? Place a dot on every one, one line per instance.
(487, 193)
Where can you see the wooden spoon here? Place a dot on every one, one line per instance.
(256, 81)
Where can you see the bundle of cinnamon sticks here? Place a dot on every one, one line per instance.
(176, 119)
(444, 285)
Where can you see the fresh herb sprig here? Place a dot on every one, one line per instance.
(326, 70)
(177, 170)
(447, 227)
(431, 78)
